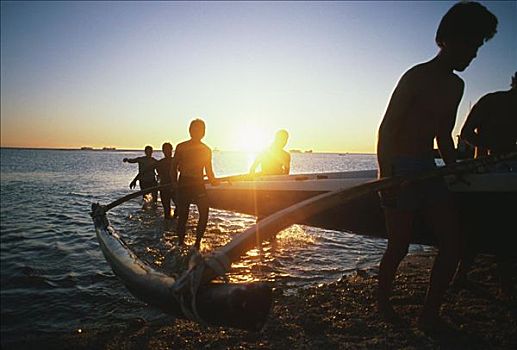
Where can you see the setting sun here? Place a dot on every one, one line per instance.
(251, 138)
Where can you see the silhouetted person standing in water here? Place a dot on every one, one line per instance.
(192, 159)
(275, 160)
(146, 175)
(164, 170)
(491, 127)
(423, 108)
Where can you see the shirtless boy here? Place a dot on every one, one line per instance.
(146, 175)
(423, 108)
(192, 160)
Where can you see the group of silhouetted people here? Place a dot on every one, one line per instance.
(185, 174)
(422, 110)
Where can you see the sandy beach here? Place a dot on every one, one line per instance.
(339, 315)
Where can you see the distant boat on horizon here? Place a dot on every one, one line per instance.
(109, 149)
(87, 148)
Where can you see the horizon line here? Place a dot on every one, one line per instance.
(215, 150)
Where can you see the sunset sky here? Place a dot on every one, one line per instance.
(127, 74)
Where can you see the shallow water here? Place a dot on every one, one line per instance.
(55, 279)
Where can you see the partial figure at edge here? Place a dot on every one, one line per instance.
(491, 127)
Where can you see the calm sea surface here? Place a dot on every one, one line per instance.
(55, 279)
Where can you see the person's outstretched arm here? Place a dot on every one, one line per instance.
(130, 160)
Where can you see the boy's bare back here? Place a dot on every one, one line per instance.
(422, 107)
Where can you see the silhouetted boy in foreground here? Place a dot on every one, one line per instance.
(423, 108)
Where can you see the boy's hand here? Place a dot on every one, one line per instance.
(132, 184)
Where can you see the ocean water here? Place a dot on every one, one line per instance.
(55, 279)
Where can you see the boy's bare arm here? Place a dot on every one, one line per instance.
(468, 131)
(393, 122)
(255, 164)
(444, 131)
(209, 170)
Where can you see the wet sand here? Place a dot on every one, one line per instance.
(339, 315)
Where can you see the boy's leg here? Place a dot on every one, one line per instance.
(466, 261)
(154, 194)
(444, 219)
(203, 208)
(165, 196)
(183, 210)
(504, 272)
(399, 224)
(174, 199)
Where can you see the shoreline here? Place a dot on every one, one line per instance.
(337, 315)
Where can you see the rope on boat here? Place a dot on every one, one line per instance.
(186, 296)
(185, 291)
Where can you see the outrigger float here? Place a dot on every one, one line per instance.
(340, 201)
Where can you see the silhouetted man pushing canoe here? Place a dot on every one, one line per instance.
(146, 175)
(423, 109)
(274, 160)
(192, 160)
(491, 127)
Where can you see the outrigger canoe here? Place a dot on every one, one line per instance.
(487, 203)
(332, 197)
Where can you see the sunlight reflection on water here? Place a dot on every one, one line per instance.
(55, 278)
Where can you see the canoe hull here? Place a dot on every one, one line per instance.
(485, 203)
(244, 306)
